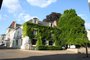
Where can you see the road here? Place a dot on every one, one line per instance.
(17, 54)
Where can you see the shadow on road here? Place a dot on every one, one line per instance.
(3, 47)
(55, 57)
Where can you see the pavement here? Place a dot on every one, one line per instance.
(17, 54)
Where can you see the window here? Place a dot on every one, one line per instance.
(34, 41)
(35, 32)
(16, 42)
(50, 42)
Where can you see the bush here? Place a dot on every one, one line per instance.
(41, 47)
(54, 48)
(48, 48)
(77, 46)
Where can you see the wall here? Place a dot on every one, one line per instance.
(88, 34)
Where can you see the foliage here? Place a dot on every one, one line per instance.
(56, 38)
(51, 17)
(25, 30)
(39, 40)
(49, 48)
(41, 48)
(72, 28)
(45, 31)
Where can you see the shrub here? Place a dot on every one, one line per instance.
(48, 48)
(54, 48)
(41, 47)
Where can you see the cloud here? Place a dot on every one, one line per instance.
(12, 5)
(89, 1)
(41, 3)
(83, 16)
(25, 17)
(0, 17)
(3, 17)
(87, 25)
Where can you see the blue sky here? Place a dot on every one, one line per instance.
(23, 10)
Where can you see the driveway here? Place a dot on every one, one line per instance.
(17, 54)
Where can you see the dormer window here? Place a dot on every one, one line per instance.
(50, 24)
(35, 20)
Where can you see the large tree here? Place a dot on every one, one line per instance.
(72, 28)
(52, 17)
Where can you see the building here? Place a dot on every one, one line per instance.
(36, 21)
(53, 23)
(88, 34)
(34, 40)
(13, 35)
(2, 38)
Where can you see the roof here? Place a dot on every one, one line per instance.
(43, 23)
(2, 34)
(14, 25)
(18, 25)
(39, 22)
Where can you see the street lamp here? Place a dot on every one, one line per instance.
(1, 3)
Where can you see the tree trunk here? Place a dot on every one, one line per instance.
(86, 50)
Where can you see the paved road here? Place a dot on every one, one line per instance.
(16, 54)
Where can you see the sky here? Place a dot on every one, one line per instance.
(24, 10)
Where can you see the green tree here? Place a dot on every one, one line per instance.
(72, 28)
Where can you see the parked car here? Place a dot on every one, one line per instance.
(2, 44)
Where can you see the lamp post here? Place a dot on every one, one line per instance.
(1, 3)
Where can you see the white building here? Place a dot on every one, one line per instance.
(2, 37)
(13, 35)
(88, 34)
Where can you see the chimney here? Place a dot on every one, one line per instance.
(13, 25)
